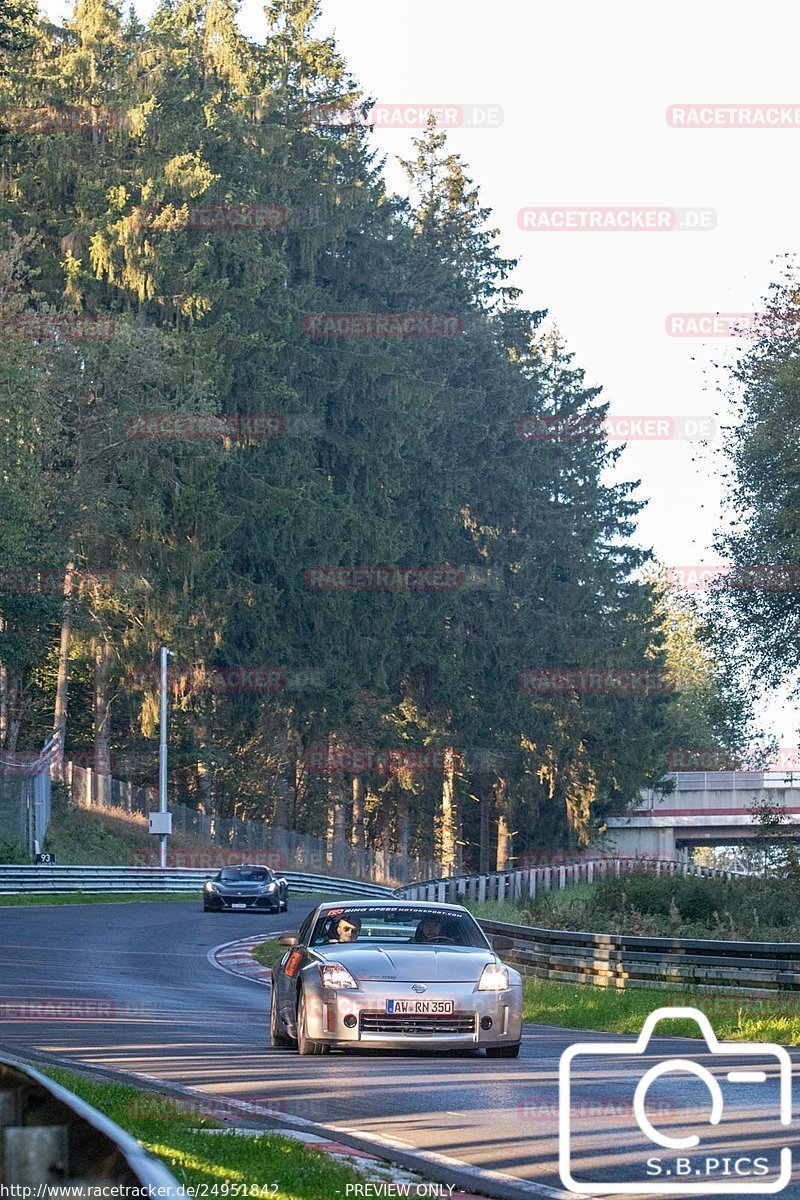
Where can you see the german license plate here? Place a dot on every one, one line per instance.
(238, 906)
(420, 1008)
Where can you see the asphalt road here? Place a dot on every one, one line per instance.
(129, 987)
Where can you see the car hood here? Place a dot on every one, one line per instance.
(241, 888)
(441, 964)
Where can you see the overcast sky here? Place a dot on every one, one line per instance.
(584, 88)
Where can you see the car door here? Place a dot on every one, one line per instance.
(289, 970)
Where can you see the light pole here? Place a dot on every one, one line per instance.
(162, 757)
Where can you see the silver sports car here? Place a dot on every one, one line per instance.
(394, 974)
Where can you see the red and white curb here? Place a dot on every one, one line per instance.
(237, 959)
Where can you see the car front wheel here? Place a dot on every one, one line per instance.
(503, 1051)
(304, 1043)
(277, 1039)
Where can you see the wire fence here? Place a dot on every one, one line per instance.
(280, 848)
(25, 800)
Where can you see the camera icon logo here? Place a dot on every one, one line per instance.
(679, 1172)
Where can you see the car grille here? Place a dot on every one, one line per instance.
(417, 1026)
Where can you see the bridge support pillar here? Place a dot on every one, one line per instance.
(654, 841)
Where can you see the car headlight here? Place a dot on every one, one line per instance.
(334, 975)
(271, 887)
(494, 978)
(211, 887)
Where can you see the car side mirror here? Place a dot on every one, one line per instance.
(289, 939)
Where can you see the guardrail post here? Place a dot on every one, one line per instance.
(590, 872)
(34, 1155)
(482, 889)
(501, 887)
(532, 883)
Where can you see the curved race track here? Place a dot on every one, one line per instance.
(154, 1005)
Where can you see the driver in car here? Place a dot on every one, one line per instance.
(346, 929)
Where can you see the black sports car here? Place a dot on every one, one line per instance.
(246, 887)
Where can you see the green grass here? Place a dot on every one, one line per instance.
(22, 899)
(623, 1011)
(175, 1131)
(269, 953)
(84, 838)
(495, 910)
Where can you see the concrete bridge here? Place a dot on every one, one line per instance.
(707, 808)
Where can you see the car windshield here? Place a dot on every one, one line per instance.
(245, 875)
(364, 925)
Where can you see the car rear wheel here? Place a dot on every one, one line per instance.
(277, 1038)
(304, 1043)
(503, 1051)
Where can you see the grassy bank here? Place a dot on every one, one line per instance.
(178, 1132)
(750, 909)
(733, 1018)
(747, 909)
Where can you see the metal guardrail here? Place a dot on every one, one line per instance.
(48, 1136)
(622, 960)
(527, 885)
(52, 880)
(617, 960)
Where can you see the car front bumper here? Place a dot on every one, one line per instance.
(263, 901)
(359, 1017)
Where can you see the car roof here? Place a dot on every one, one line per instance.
(245, 867)
(394, 904)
